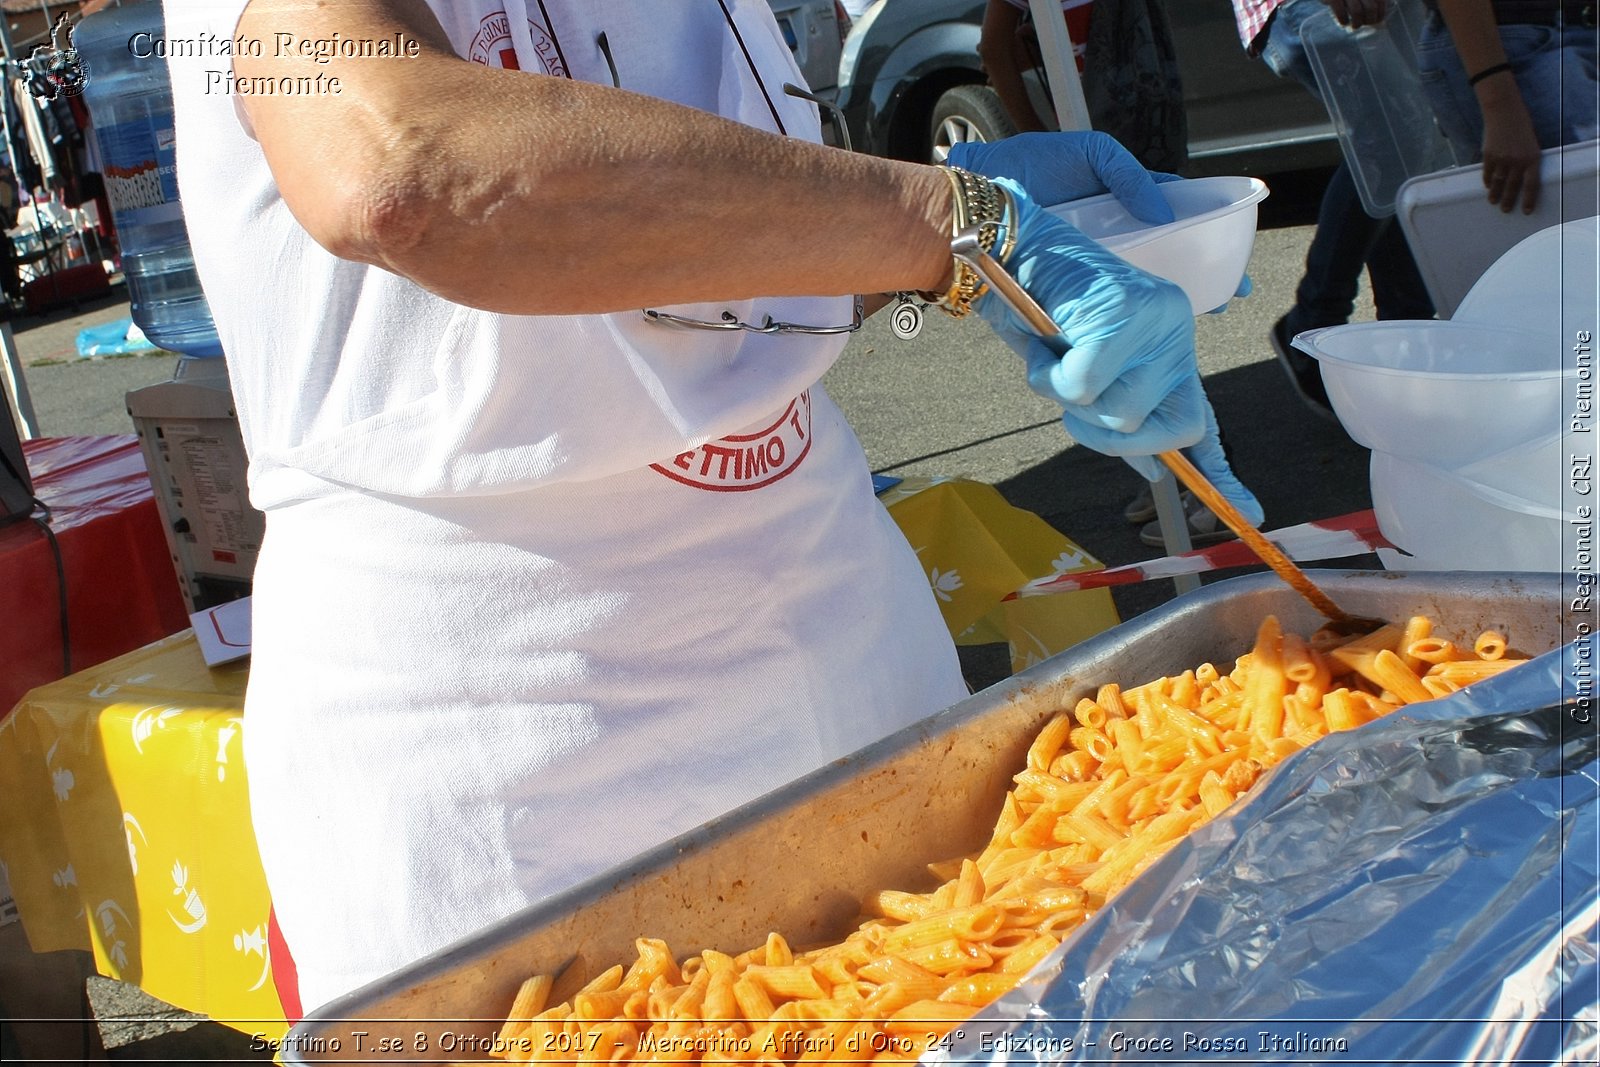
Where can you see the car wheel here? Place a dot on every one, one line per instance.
(968, 113)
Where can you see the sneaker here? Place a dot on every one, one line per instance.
(1204, 529)
(1142, 508)
(1305, 374)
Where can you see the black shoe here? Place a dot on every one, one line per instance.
(1304, 372)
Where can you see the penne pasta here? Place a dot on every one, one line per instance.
(1094, 742)
(1467, 671)
(1090, 714)
(1439, 687)
(969, 886)
(1050, 741)
(976, 923)
(1074, 766)
(976, 990)
(1490, 645)
(907, 907)
(1107, 789)
(1109, 696)
(1390, 672)
(1435, 650)
(1417, 628)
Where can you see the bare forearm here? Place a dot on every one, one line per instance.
(571, 197)
(651, 203)
(1510, 145)
(1477, 40)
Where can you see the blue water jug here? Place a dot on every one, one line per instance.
(130, 100)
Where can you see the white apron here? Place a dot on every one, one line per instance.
(536, 593)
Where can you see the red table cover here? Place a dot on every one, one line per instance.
(122, 589)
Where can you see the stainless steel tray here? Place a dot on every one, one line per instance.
(799, 859)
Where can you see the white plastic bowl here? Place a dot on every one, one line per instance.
(1438, 392)
(1205, 250)
(1447, 522)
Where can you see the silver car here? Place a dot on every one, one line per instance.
(815, 31)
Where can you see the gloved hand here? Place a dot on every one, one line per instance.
(1123, 366)
(1209, 459)
(1057, 167)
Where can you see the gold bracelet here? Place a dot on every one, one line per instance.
(976, 203)
(978, 207)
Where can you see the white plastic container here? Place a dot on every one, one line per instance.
(1445, 521)
(1543, 278)
(1456, 235)
(1205, 250)
(1443, 393)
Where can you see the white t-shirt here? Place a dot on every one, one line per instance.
(536, 593)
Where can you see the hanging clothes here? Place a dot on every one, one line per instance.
(38, 138)
(27, 171)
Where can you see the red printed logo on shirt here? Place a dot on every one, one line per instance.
(492, 46)
(748, 461)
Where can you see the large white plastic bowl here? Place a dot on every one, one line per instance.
(1205, 251)
(1440, 392)
(1445, 521)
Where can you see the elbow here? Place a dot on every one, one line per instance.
(382, 221)
(376, 213)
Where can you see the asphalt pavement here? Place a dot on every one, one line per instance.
(951, 403)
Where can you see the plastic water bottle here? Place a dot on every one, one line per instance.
(130, 99)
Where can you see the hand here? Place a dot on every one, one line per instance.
(1123, 366)
(1510, 150)
(1358, 13)
(1054, 168)
(1210, 460)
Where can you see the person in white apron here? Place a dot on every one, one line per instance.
(547, 579)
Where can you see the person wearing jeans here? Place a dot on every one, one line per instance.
(1508, 78)
(1347, 239)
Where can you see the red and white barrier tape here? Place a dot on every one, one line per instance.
(1348, 535)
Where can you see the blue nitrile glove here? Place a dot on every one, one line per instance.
(1209, 459)
(1057, 167)
(1123, 367)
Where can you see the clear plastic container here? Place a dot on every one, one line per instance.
(130, 99)
(1443, 393)
(1204, 250)
(1374, 96)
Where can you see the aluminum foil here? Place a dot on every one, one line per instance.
(1423, 889)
